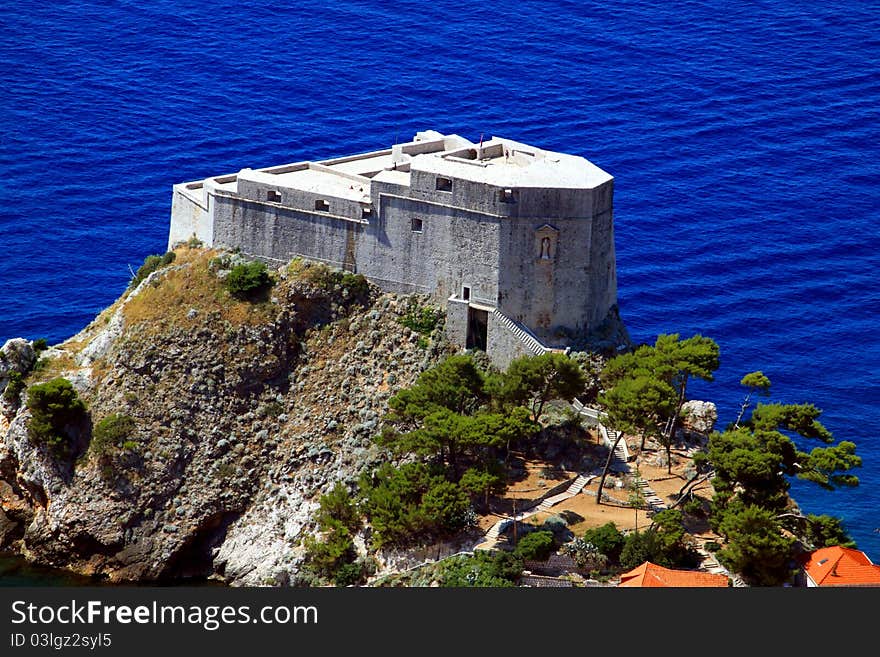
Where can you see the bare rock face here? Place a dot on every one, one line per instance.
(699, 416)
(16, 355)
(241, 415)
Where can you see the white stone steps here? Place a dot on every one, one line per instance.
(530, 341)
(578, 484)
(553, 500)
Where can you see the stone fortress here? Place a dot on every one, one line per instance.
(516, 243)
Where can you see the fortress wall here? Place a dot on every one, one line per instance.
(454, 248)
(270, 231)
(603, 259)
(553, 203)
(188, 218)
(503, 345)
(295, 198)
(547, 294)
(423, 186)
(476, 196)
(482, 198)
(456, 321)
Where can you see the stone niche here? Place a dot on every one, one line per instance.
(546, 243)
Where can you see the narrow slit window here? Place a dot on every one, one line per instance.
(466, 293)
(444, 184)
(416, 225)
(322, 206)
(273, 196)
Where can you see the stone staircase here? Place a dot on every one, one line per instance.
(710, 565)
(655, 504)
(576, 487)
(531, 343)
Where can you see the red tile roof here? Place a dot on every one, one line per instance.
(653, 576)
(840, 566)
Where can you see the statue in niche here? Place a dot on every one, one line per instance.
(545, 248)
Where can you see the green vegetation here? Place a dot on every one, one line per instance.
(192, 284)
(151, 264)
(40, 344)
(355, 286)
(411, 502)
(13, 387)
(753, 461)
(422, 319)
(535, 546)
(663, 543)
(636, 498)
(57, 414)
(605, 549)
(112, 433)
(483, 569)
(532, 381)
(607, 539)
(111, 443)
(248, 281)
(453, 434)
(449, 419)
(448, 416)
(755, 547)
(332, 555)
(824, 531)
(586, 555)
(646, 389)
(454, 429)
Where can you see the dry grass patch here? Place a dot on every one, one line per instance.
(51, 367)
(190, 284)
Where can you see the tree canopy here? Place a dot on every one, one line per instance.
(534, 380)
(754, 460)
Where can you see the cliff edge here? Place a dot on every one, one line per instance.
(227, 419)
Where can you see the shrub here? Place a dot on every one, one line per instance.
(483, 569)
(39, 345)
(693, 506)
(248, 281)
(325, 556)
(349, 574)
(338, 505)
(151, 264)
(14, 387)
(421, 320)
(111, 434)
(607, 539)
(586, 555)
(56, 411)
(535, 546)
(270, 409)
(356, 284)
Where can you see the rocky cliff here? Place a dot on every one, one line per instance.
(240, 414)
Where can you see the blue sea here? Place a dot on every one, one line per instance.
(744, 138)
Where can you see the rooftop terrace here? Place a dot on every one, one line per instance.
(498, 162)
